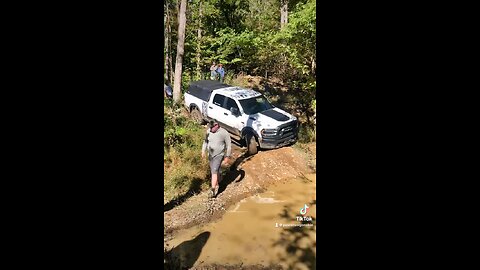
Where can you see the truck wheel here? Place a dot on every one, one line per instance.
(251, 145)
(197, 116)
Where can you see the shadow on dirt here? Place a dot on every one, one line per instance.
(195, 187)
(233, 174)
(298, 242)
(186, 254)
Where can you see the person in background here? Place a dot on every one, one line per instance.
(221, 72)
(213, 71)
(217, 142)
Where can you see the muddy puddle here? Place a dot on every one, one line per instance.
(267, 229)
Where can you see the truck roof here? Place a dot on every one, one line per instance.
(203, 89)
(238, 92)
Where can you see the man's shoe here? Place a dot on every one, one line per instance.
(212, 193)
(216, 191)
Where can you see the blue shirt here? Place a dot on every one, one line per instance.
(221, 71)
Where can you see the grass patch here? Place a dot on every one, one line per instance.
(184, 169)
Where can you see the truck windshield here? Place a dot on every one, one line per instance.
(255, 105)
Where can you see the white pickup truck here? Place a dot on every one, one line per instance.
(246, 114)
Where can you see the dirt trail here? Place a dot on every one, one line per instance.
(246, 176)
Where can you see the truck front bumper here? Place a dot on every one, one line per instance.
(277, 143)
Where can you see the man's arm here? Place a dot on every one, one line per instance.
(228, 143)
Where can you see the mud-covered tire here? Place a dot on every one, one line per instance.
(251, 144)
(197, 116)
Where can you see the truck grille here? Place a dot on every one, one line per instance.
(288, 130)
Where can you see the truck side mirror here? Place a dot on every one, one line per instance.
(234, 111)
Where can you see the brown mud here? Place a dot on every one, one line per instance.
(265, 230)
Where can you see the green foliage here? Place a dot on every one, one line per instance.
(300, 35)
(178, 128)
(245, 36)
(306, 134)
(263, 16)
(183, 140)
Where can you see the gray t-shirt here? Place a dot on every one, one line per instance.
(218, 142)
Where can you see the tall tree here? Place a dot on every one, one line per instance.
(167, 41)
(182, 20)
(199, 40)
(171, 18)
(170, 61)
(283, 13)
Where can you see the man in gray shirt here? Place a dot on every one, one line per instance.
(217, 141)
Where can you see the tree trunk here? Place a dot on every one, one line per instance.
(314, 66)
(180, 51)
(170, 64)
(167, 41)
(283, 13)
(199, 40)
(170, 58)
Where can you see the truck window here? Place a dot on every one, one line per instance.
(219, 100)
(231, 104)
(255, 105)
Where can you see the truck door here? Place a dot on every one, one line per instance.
(231, 120)
(215, 109)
